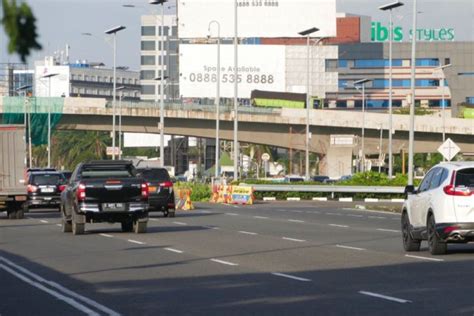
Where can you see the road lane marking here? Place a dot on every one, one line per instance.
(154, 219)
(334, 214)
(293, 239)
(224, 262)
(388, 230)
(231, 214)
(377, 217)
(205, 212)
(349, 247)
(247, 233)
(337, 225)
(136, 242)
(180, 223)
(36, 281)
(291, 277)
(43, 221)
(424, 258)
(107, 235)
(354, 215)
(59, 225)
(211, 227)
(260, 217)
(297, 211)
(385, 297)
(174, 250)
(295, 221)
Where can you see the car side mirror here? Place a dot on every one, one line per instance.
(409, 189)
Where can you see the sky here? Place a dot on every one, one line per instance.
(62, 22)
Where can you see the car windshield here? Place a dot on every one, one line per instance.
(465, 177)
(47, 179)
(155, 174)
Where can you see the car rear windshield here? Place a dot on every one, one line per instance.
(112, 171)
(47, 179)
(155, 174)
(465, 177)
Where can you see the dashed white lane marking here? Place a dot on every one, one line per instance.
(337, 225)
(247, 233)
(154, 219)
(205, 212)
(281, 210)
(349, 247)
(377, 217)
(334, 214)
(180, 223)
(291, 277)
(385, 297)
(174, 250)
(354, 215)
(136, 242)
(424, 258)
(43, 221)
(211, 227)
(260, 217)
(388, 230)
(293, 239)
(297, 211)
(224, 262)
(295, 221)
(231, 214)
(107, 235)
(72, 298)
(59, 225)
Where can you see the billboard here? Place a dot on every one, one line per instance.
(256, 18)
(260, 67)
(59, 82)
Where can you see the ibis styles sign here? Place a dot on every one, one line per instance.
(380, 33)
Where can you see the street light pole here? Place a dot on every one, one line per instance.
(49, 115)
(307, 33)
(120, 120)
(114, 32)
(411, 138)
(443, 106)
(218, 93)
(390, 7)
(26, 118)
(236, 106)
(362, 82)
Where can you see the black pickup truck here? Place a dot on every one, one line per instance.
(105, 191)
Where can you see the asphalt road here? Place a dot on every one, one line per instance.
(276, 258)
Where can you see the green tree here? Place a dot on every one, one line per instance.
(20, 26)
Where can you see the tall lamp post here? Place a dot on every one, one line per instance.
(49, 115)
(411, 138)
(236, 105)
(362, 83)
(121, 88)
(161, 78)
(443, 106)
(114, 32)
(218, 91)
(27, 119)
(389, 7)
(307, 33)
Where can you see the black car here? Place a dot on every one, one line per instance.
(67, 174)
(44, 189)
(322, 179)
(160, 188)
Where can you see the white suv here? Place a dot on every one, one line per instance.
(441, 210)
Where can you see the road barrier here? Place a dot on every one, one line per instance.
(325, 188)
(184, 200)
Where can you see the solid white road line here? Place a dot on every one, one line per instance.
(260, 217)
(349, 247)
(337, 225)
(107, 235)
(43, 221)
(136, 242)
(388, 230)
(295, 221)
(36, 280)
(174, 250)
(247, 233)
(291, 277)
(231, 214)
(293, 239)
(224, 262)
(424, 258)
(389, 298)
(180, 223)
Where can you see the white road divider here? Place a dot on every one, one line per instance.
(397, 200)
(345, 199)
(320, 199)
(293, 199)
(269, 198)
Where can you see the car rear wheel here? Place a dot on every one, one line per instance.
(78, 228)
(435, 244)
(139, 227)
(127, 226)
(409, 243)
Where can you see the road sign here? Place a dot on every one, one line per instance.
(110, 151)
(265, 157)
(449, 149)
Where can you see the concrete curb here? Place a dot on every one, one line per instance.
(293, 199)
(269, 198)
(320, 199)
(345, 199)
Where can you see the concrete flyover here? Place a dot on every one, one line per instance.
(276, 127)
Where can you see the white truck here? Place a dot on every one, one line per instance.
(13, 189)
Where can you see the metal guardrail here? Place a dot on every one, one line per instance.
(326, 188)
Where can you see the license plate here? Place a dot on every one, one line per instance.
(113, 207)
(47, 190)
(47, 199)
(152, 189)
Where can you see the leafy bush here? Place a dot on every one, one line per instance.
(200, 192)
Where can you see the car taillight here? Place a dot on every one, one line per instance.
(144, 190)
(81, 192)
(457, 191)
(62, 187)
(166, 184)
(32, 188)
